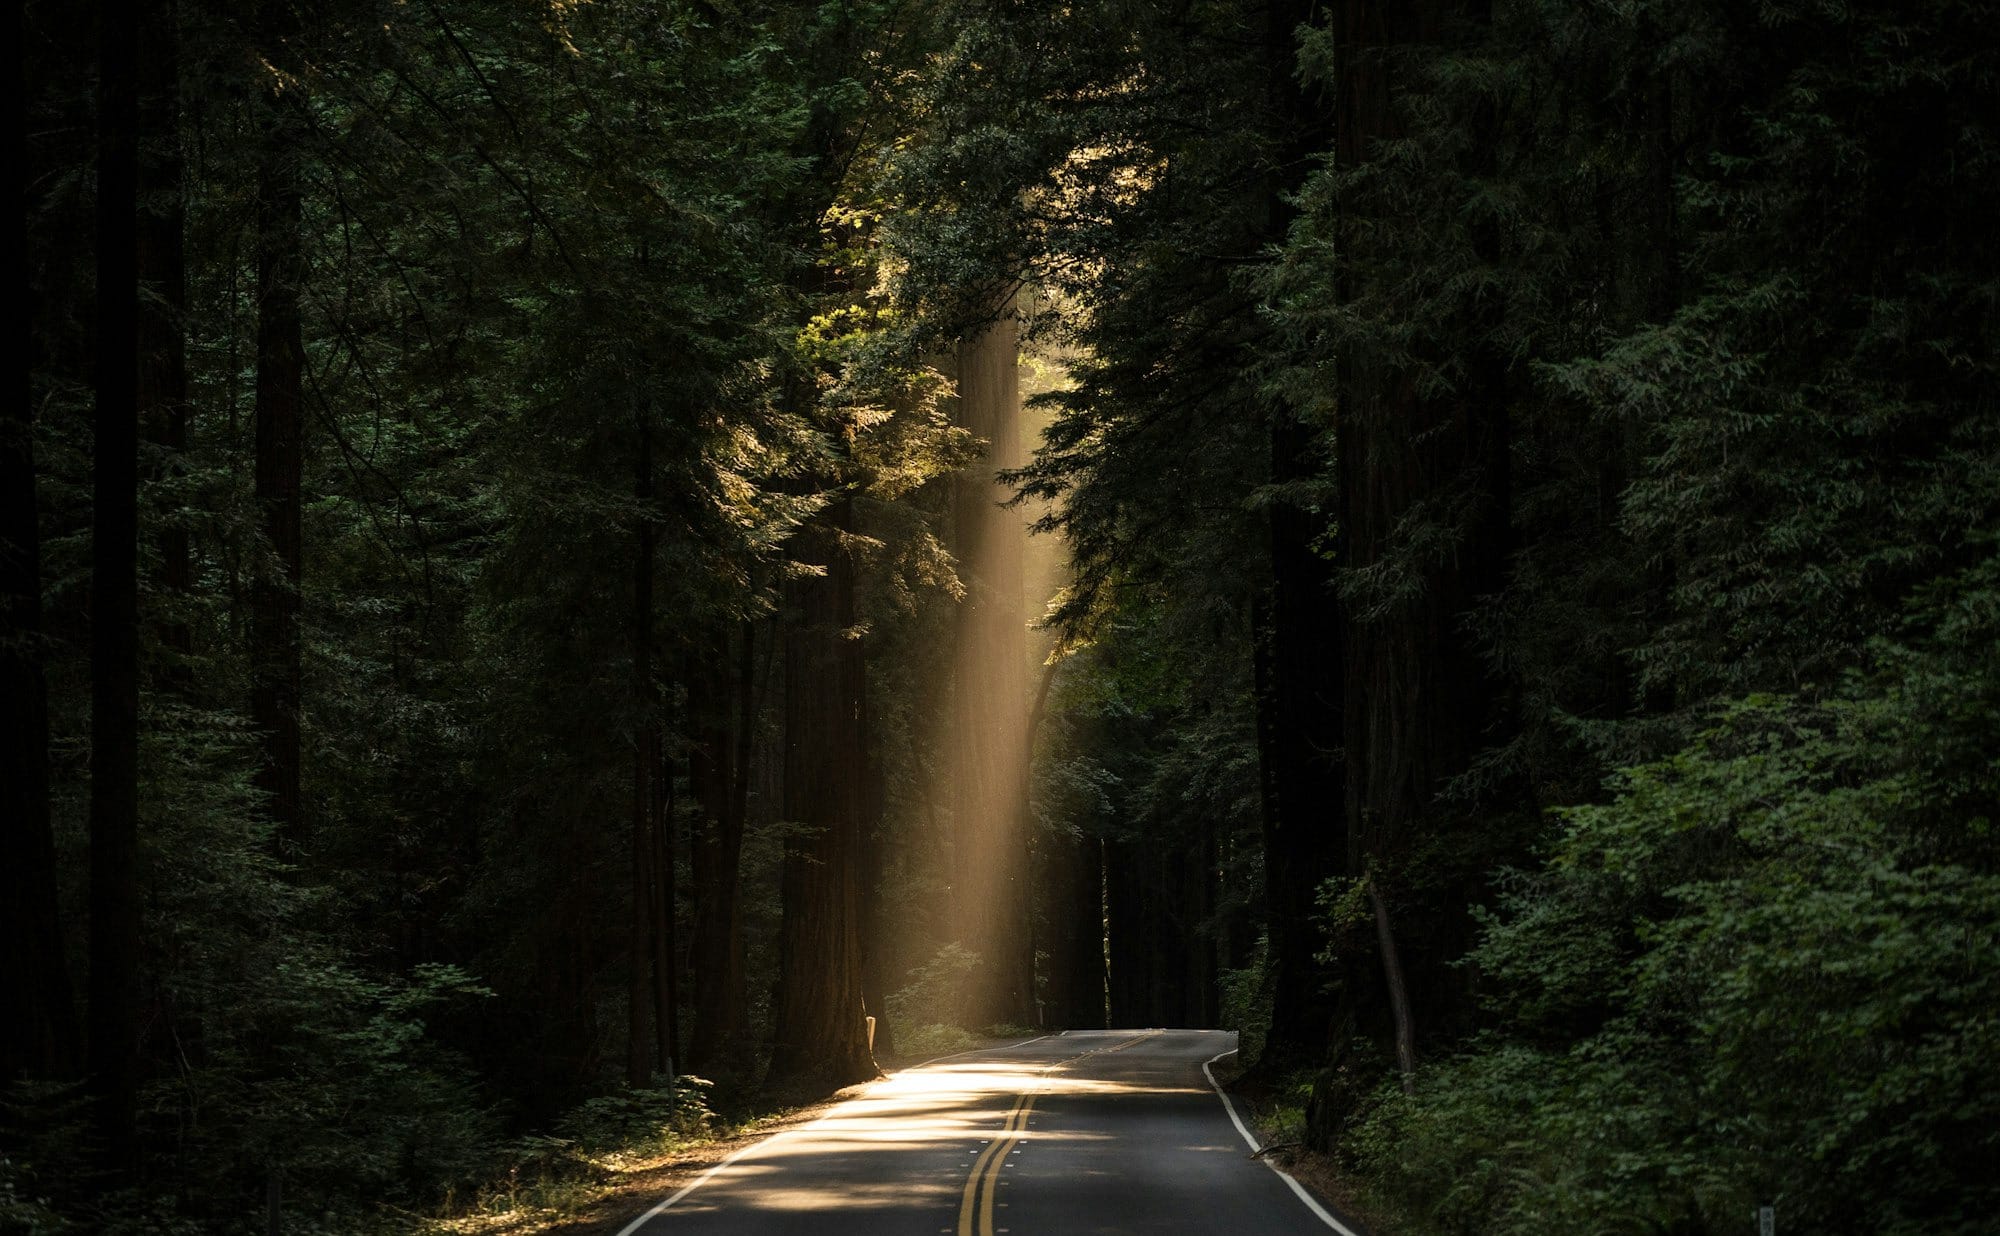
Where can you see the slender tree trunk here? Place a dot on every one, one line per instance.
(274, 624)
(638, 1067)
(1084, 991)
(1399, 988)
(114, 602)
(819, 1033)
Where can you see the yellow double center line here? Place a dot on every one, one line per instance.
(985, 1179)
(975, 1205)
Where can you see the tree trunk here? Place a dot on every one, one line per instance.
(718, 768)
(1399, 988)
(1297, 654)
(114, 602)
(1417, 695)
(989, 757)
(1083, 991)
(819, 1035)
(666, 944)
(162, 341)
(274, 625)
(645, 753)
(1299, 737)
(874, 923)
(39, 1038)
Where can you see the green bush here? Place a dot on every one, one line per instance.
(939, 992)
(1766, 972)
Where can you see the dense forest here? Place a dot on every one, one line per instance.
(560, 557)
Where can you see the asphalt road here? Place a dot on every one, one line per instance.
(1087, 1134)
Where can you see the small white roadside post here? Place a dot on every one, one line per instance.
(1767, 1221)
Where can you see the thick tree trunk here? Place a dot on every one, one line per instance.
(1417, 696)
(39, 1039)
(114, 602)
(1297, 655)
(874, 923)
(274, 625)
(819, 1035)
(1298, 721)
(989, 757)
(718, 767)
(666, 925)
(645, 754)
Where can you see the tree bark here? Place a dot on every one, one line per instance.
(819, 1035)
(39, 1039)
(1417, 695)
(718, 766)
(114, 602)
(274, 626)
(162, 308)
(1399, 988)
(666, 914)
(1297, 664)
(645, 753)
(1296, 659)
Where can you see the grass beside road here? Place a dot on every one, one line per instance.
(1276, 1114)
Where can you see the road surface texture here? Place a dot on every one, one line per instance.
(1080, 1134)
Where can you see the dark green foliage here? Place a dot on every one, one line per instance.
(1561, 435)
(1763, 972)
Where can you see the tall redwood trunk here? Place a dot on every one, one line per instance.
(665, 911)
(1296, 657)
(718, 770)
(645, 753)
(40, 1038)
(274, 594)
(819, 1035)
(1417, 696)
(114, 601)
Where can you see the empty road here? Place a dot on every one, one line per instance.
(1085, 1133)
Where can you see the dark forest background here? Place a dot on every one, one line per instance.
(484, 551)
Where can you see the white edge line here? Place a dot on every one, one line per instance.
(660, 1208)
(700, 1180)
(1312, 1203)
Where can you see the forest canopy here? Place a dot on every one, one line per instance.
(576, 570)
